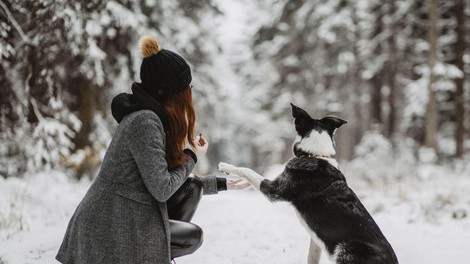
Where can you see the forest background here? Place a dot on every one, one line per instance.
(366, 61)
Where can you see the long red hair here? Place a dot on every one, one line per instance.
(179, 109)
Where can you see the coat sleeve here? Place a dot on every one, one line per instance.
(146, 140)
(209, 183)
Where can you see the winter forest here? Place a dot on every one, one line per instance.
(397, 70)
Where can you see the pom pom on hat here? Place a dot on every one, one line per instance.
(149, 46)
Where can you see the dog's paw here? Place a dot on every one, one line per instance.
(227, 168)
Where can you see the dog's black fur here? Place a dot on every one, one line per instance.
(330, 209)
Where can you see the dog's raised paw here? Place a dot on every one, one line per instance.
(226, 168)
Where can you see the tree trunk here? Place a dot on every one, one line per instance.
(33, 89)
(7, 101)
(86, 98)
(430, 139)
(314, 253)
(459, 82)
(86, 108)
(376, 81)
(392, 72)
(376, 100)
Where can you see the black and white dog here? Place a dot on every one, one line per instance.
(312, 182)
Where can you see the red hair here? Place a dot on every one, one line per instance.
(179, 109)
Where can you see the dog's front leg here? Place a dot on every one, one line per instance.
(275, 190)
(314, 253)
(254, 178)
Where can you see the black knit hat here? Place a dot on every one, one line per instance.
(163, 72)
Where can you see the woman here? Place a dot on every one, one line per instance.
(144, 178)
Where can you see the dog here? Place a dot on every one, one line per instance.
(331, 212)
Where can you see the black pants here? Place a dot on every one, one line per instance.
(186, 237)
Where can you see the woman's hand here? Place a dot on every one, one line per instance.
(201, 146)
(238, 184)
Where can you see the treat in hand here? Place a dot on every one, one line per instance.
(201, 146)
(201, 140)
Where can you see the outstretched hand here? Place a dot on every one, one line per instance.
(254, 178)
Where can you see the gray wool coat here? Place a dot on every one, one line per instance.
(123, 217)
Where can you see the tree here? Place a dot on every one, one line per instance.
(459, 82)
(392, 68)
(376, 105)
(432, 109)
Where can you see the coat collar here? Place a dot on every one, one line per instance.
(124, 104)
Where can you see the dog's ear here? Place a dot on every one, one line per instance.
(298, 112)
(334, 122)
(302, 120)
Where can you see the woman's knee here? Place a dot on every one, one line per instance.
(186, 238)
(196, 237)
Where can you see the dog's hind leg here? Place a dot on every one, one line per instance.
(357, 252)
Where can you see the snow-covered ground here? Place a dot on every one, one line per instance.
(425, 221)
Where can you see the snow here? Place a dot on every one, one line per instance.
(34, 213)
(424, 218)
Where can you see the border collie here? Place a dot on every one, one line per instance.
(330, 211)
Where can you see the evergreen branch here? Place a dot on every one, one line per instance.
(14, 22)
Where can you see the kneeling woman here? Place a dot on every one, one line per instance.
(139, 206)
